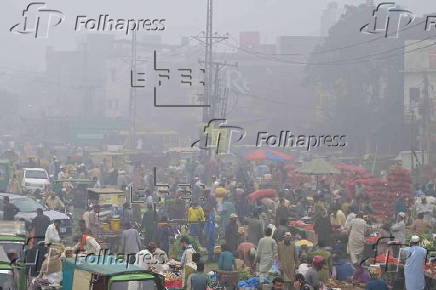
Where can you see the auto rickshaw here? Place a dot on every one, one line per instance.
(71, 187)
(106, 196)
(12, 245)
(107, 273)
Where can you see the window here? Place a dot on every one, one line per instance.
(7, 280)
(36, 174)
(26, 204)
(414, 94)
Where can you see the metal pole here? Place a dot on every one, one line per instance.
(132, 97)
(208, 64)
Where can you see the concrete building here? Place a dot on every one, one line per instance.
(420, 94)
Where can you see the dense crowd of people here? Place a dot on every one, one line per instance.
(207, 213)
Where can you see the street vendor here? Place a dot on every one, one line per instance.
(399, 228)
(287, 257)
(158, 254)
(246, 252)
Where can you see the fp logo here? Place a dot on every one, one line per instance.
(387, 18)
(218, 135)
(37, 20)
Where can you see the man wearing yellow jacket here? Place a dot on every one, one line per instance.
(195, 219)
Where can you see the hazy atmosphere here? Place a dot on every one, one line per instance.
(218, 144)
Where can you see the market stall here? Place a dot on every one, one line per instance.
(110, 202)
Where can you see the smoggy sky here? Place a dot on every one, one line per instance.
(184, 18)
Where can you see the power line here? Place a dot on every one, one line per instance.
(356, 60)
(332, 49)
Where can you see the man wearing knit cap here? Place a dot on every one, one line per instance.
(414, 260)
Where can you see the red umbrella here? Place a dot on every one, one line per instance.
(262, 193)
(258, 155)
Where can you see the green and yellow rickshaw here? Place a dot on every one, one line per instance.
(13, 242)
(107, 273)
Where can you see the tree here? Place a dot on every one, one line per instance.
(361, 80)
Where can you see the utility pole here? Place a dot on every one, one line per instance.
(218, 107)
(210, 98)
(210, 81)
(208, 55)
(132, 97)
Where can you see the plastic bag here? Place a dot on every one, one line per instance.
(275, 267)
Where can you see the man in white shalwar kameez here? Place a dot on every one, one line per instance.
(266, 253)
(356, 240)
